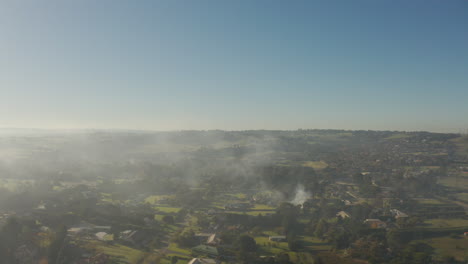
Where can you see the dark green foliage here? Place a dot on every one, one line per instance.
(168, 219)
(186, 238)
(57, 249)
(321, 228)
(294, 244)
(247, 244)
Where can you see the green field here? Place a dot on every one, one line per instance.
(315, 243)
(158, 217)
(107, 197)
(262, 207)
(462, 145)
(167, 209)
(154, 199)
(177, 251)
(463, 196)
(318, 165)
(254, 213)
(240, 196)
(129, 255)
(447, 246)
(424, 201)
(14, 184)
(268, 247)
(398, 136)
(446, 223)
(455, 182)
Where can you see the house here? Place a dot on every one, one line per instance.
(103, 236)
(213, 240)
(203, 237)
(398, 214)
(347, 202)
(206, 250)
(202, 261)
(75, 231)
(85, 228)
(343, 214)
(277, 238)
(41, 206)
(375, 223)
(136, 238)
(44, 229)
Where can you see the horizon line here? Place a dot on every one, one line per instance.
(465, 131)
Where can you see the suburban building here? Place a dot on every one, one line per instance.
(343, 214)
(398, 214)
(213, 240)
(375, 223)
(137, 238)
(203, 237)
(103, 236)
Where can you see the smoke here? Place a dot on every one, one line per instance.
(301, 195)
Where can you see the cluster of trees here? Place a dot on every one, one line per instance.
(18, 233)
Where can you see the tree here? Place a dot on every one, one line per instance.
(186, 238)
(256, 231)
(11, 232)
(283, 258)
(449, 259)
(247, 243)
(318, 260)
(358, 178)
(394, 239)
(417, 253)
(168, 219)
(293, 243)
(341, 239)
(321, 228)
(56, 247)
(421, 258)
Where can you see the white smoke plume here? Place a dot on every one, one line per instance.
(301, 195)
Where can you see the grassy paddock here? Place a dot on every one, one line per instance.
(317, 165)
(447, 246)
(127, 254)
(315, 243)
(446, 223)
(425, 201)
(398, 136)
(462, 145)
(463, 196)
(455, 182)
(167, 209)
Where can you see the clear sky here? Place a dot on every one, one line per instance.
(266, 64)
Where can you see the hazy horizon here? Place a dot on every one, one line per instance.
(32, 130)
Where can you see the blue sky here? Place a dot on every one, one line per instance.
(170, 65)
